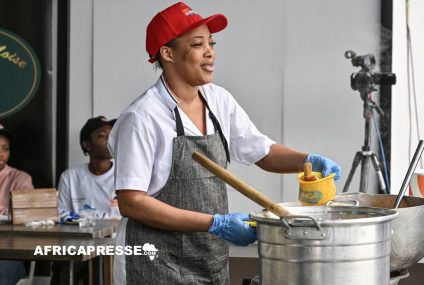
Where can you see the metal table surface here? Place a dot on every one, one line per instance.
(103, 228)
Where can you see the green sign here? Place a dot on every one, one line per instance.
(19, 73)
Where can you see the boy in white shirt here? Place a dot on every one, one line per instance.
(88, 185)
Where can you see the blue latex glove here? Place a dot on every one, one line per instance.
(232, 228)
(68, 216)
(324, 165)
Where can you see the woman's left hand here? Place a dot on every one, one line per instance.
(324, 165)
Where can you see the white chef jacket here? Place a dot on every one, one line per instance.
(141, 142)
(141, 139)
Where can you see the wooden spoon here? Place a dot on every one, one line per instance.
(240, 186)
(308, 175)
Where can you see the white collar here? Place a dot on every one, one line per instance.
(168, 96)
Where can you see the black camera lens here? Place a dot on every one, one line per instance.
(385, 78)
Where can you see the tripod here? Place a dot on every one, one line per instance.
(365, 81)
(366, 154)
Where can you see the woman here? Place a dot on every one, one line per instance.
(173, 206)
(11, 179)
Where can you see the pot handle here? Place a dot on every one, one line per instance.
(286, 224)
(345, 203)
(294, 232)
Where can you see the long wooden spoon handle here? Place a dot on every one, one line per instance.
(240, 186)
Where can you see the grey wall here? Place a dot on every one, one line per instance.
(282, 60)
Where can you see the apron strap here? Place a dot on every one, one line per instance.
(217, 126)
(221, 134)
(180, 127)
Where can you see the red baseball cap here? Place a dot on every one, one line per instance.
(175, 21)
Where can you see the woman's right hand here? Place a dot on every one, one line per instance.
(232, 227)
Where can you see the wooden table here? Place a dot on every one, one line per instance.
(20, 243)
(24, 248)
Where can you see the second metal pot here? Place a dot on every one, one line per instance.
(407, 230)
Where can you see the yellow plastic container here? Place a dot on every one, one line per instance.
(318, 192)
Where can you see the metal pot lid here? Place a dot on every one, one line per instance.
(324, 215)
(380, 200)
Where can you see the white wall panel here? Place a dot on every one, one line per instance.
(404, 128)
(80, 74)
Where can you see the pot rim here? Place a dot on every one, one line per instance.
(317, 213)
(419, 201)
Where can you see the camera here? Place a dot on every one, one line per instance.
(365, 79)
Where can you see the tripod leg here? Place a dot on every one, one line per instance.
(355, 164)
(377, 168)
(365, 167)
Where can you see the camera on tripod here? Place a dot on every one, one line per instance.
(365, 80)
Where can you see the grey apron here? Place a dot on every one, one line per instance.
(185, 257)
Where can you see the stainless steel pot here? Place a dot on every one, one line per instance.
(407, 246)
(325, 245)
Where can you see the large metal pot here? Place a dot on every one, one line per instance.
(325, 245)
(407, 230)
